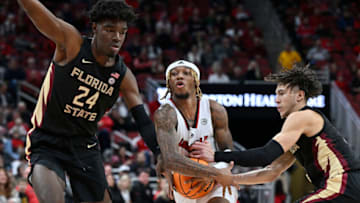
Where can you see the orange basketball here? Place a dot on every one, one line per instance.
(190, 190)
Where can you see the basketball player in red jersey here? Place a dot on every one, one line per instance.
(185, 118)
(82, 83)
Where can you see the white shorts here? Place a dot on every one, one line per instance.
(216, 192)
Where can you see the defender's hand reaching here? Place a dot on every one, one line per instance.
(203, 151)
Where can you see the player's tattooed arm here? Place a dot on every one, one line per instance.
(165, 122)
(221, 126)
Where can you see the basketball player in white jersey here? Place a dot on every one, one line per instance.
(185, 118)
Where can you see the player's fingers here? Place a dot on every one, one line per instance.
(229, 189)
(195, 147)
(197, 156)
(195, 152)
(170, 193)
(231, 165)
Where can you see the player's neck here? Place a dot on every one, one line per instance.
(187, 106)
(298, 107)
(102, 59)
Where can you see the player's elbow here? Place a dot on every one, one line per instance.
(171, 160)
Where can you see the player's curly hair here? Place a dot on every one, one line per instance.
(112, 10)
(299, 76)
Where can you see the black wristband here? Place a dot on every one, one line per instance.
(261, 156)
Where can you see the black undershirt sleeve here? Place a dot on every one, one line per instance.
(146, 128)
(260, 156)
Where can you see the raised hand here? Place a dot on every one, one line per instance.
(202, 150)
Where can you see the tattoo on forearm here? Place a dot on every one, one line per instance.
(165, 122)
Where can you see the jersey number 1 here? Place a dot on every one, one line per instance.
(91, 101)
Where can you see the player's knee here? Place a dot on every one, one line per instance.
(218, 200)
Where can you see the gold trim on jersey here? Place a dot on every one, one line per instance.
(38, 114)
(331, 165)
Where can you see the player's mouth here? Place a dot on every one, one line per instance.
(180, 84)
(115, 47)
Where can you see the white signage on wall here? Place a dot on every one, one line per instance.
(249, 99)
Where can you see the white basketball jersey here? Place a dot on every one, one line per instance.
(202, 129)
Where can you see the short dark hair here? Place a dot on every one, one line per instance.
(299, 76)
(112, 10)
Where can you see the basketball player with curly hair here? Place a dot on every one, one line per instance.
(187, 117)
(82, 83)
(306, 135)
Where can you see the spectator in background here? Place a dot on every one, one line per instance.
(152, 50)
(288, 57)
(120, 157)
(142, 63)
(253, 71)
(194, 55)
(218, 76)
(140, 163)
(162, 195)
(141, 191)
(317, 53)
(207, 56)
(6, 156)
(114, 191)
(26, 192)
(24, 113)
(124, 185)
(13, 74)
(355, 84)
(5, 98)
(7, 191)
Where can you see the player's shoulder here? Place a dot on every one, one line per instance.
(303, 116)
(165, 109)
(165, 113)
(215, 106)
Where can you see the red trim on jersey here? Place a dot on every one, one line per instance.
(197, 114)
(341, 158)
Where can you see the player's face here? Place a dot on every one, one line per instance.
(285, 99)
(110, 35)
(182, 82)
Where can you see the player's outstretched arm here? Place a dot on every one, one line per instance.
(295, 125)
(133, 100)
(165, 122)
(60, 32)
(267, 174)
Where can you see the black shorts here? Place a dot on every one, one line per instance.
(77, 157)
(348, 185)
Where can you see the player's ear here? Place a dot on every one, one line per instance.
(93, 27)
(300, 95)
